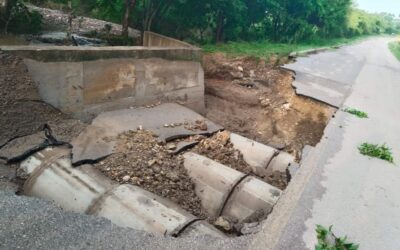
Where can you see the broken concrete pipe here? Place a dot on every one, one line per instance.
(227, 192)
(263, 160)
(85, 190)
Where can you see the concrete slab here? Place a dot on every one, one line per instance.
(168, 121)
(21, 145)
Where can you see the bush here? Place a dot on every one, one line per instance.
(23, 21)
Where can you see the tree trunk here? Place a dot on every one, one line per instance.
(129, 4)
(219, 33)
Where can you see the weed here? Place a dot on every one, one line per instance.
(358, 113)
(377, 151)
(328, 241)
(395, 48)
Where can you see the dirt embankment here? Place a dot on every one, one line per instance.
(257, 100)
(23, 113)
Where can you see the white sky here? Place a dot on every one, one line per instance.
(390, 6)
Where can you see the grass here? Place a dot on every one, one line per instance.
(328, 241)
(395, 48)
(265, 49)
(358, 113)
(377, 151)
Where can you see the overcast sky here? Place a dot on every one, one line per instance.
(390, 6)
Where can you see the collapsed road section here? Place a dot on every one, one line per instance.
(144, 161)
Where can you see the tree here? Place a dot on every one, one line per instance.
(129, 4)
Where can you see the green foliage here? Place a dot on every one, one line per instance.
(378, 151)
(395, 48)
(328, 241)
(358, 113)
(21, 20)
(209, 21)
(265, 49)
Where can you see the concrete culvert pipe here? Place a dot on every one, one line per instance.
(53, 178)
(214, 181)
(86, 190)
(227, 192)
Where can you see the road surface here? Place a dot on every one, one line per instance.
(337, 186)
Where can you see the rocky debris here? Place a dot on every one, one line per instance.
(219, 149)
(80, 25)
(139, 159)
(223, 224)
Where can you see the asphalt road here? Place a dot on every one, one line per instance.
(338, 186)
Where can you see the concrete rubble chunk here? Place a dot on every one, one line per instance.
(257, 155)
(99, 139)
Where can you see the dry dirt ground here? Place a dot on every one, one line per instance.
(256, 99)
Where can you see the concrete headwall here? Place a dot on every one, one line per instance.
(151, 39)
(85, 82)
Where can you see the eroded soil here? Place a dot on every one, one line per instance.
(256, 99)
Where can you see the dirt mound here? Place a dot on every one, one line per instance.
(256, 99)
(142, 161)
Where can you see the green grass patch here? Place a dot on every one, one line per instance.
(265, 49)
(377, 151)
(328, 241)
(358, 113)
(395, 48)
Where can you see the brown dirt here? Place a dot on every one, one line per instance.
(257, 100)
(142, 161)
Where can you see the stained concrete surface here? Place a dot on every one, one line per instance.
(168, 121)
(338, 186)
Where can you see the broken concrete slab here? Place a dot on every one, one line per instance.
(21, 145)
(183, 145)
(168, 121)
(328, 76)
(257, 155)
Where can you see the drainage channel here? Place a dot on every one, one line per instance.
(223, 191)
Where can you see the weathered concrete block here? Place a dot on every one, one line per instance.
(85, 89)
(257, 155)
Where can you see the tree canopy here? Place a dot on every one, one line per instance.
(230, 20)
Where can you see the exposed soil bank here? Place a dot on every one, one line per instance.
(257, 100)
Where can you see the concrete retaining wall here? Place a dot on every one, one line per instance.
(151, 39)
(84, 82)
